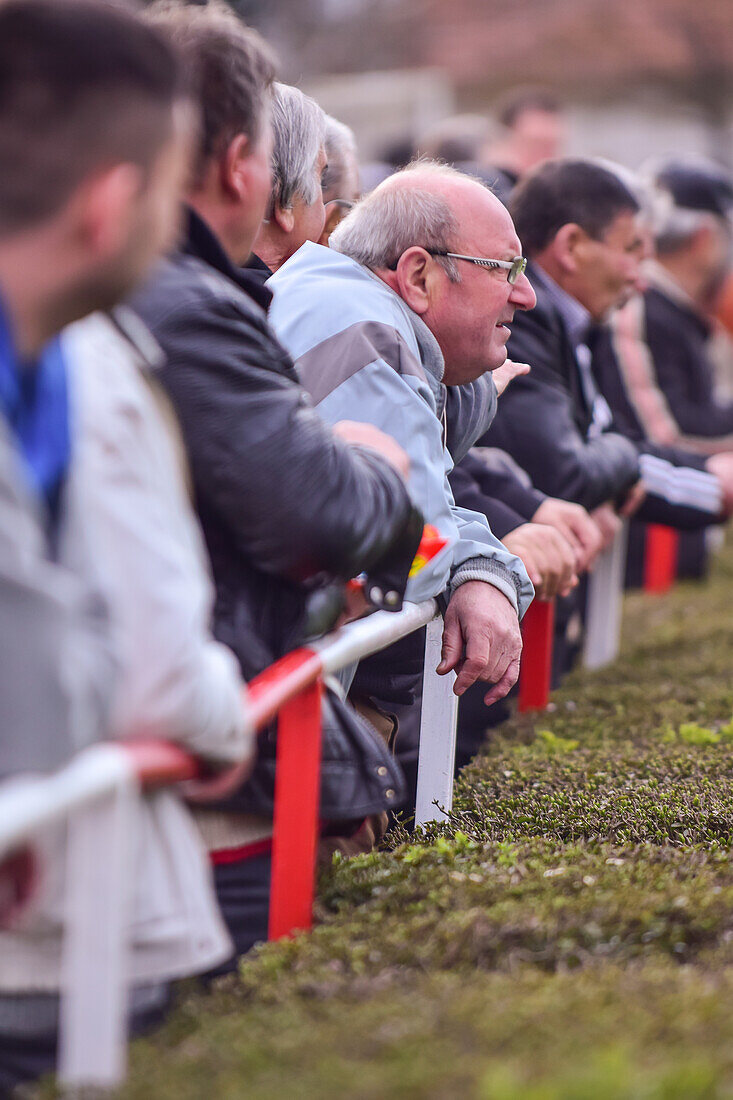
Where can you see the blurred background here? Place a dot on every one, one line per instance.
(638, 78)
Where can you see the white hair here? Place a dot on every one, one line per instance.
(340, 148)
(298, 126)
(393, 218)
(673, 226)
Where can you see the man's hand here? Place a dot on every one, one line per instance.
(366, 435)
(481, 639)
(576, 526)
(722, 466)
(634, 500)
(607, 522)
(548, 558)
(507, 372)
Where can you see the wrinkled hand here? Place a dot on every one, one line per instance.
(634, 500)
(607, 522)
(576, 526)
(722, 466)
(548, 558)
(18, 875)
(507, 372)
(366, 435)
(481, 640)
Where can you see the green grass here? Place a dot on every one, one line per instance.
(567, 935)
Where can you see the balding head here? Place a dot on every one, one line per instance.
(427, 204)
(403, 232)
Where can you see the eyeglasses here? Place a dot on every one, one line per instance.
(344, 204)
(515, 267)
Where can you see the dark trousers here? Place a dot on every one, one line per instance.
(29, 1031)
(243, 893)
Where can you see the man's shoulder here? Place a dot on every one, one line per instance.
(182, 284)
(319, 293)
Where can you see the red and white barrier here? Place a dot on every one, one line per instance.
(98, 792)
(660, 558)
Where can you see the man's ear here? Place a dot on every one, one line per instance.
(567, 247)
(416, 279)
(103, 208)
(233, 168)
(283, 217)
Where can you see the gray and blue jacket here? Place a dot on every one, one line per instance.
(364, 355)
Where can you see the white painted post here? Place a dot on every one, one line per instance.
(604, 604)
(95, 968)
(438, 722)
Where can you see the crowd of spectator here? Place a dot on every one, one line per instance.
(229, 384)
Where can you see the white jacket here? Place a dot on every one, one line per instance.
(175, 681)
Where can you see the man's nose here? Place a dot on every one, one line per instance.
(522, 295)
(639, 278)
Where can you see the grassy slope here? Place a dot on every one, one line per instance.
(569, 935)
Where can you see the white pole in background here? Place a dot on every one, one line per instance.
(604, 604)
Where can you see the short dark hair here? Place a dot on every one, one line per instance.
(563, 191)
(230, 66)
(82, 83)
(516, 102)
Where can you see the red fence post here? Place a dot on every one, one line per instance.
(660, 558)
(295, 836)
(536, 668)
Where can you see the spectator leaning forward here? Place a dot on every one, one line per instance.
(94, 126)
(285, 503)
(394, 324)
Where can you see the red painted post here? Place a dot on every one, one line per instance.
(536, 668)
(295, 836)
(660, 558)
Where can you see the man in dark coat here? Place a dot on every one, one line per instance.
(285, 504)
(578, 223)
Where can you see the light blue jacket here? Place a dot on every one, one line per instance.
(364, 355)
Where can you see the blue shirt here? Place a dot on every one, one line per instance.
(34, 402)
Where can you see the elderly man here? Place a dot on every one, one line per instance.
(295, 210)
(93, 157)
(410, 304)
(341, 184)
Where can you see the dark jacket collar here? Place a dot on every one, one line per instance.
(203, 244)
(258, 269)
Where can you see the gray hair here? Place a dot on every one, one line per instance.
(298, 126)
(392, 219)
(674, 226)
(340, 147)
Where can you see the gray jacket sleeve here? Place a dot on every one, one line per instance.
(401, 405)
(469, 411)
(56, 669)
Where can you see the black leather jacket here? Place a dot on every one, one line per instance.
(544, 418)
(285, 506)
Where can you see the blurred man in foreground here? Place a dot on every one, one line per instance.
(93, 147)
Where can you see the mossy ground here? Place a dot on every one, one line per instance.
(567, 935)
